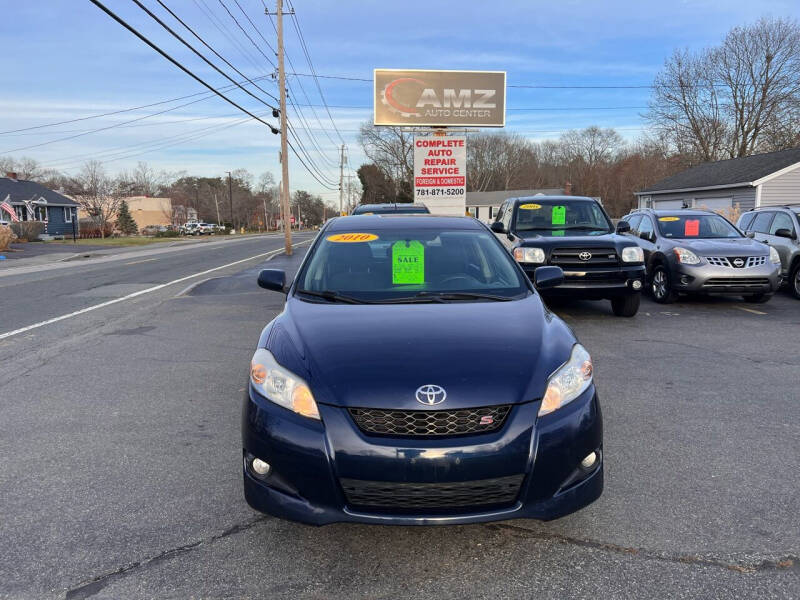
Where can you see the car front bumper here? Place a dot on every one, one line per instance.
(595, 282)
(718, 280)
(312, 463)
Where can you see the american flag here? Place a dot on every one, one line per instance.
(5, 206)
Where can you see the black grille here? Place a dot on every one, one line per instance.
(430, 423)
(572, 256)
(738, 282)
(431, 496)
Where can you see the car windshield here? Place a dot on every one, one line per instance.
(696, 227)
(412, 265)
(556, 217)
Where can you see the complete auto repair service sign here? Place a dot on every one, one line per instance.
(440, 173)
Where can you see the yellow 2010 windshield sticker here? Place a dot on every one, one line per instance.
(408, 262)
(352, 237)
(669, 219)
(530, 206)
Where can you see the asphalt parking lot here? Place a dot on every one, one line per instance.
(122, 465)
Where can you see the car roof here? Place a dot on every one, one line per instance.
(558, 198)
(387, 222)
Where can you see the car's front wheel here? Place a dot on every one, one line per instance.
(794, 280)
(758, 298)
(661, 287)
(626, 306)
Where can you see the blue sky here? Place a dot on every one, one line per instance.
(66, 60)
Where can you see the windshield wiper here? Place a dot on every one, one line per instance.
(444, 297)
(586, 227)
(333, 296)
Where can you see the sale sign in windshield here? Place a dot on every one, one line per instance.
(440, 173)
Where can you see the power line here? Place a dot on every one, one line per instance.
(192, 31)
(226, 33)
(199, 54)
(304, 46)
(269, 60)
(122, 22)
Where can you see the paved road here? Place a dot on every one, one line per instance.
(121, 457)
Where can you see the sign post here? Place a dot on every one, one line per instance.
(440, 173)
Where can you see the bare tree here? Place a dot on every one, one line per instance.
(98, 194)
(733, 100)
(392, 150)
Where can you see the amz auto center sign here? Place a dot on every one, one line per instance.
(440, 98)
(440, 173)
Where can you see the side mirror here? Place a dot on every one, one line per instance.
(785, 233)
(750, 234)
(623, 227)
(497, 227)
(272, 279)
(648, 236)
(548, 277)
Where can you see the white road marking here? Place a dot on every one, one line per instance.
(155, 288)
(750, 310)
(136, 262)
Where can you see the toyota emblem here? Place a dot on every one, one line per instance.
(738, 262)
(430, 395)
(585, 255)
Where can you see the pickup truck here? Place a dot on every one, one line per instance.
(576, 234)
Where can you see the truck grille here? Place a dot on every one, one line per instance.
(745, 262)
(431, 496)
(430, 423)
(571, 257)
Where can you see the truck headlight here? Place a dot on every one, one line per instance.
(569, 381)
(633, 254)
(528, 255)
(774, 257)
(686, 256)
(280, 385)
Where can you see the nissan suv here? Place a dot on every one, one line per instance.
(701, 252)
(778, 227)
(576, 234)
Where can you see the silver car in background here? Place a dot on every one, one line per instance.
(701, 252)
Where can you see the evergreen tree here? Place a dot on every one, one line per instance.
(125, 222)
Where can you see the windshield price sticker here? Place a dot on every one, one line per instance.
(408, 262)
(530, 206)
(691, 227)
(559, 216)
(352, 237)
(669, 219)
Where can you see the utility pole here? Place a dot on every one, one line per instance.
(219, 222)
(341, 182)
(287, 230)
(230, 197)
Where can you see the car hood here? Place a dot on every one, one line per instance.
(725, 247)
(575, 240)
(481, 353)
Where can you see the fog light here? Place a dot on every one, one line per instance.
(637, 285)
(685, 279)
(586, 463)
(262, 468)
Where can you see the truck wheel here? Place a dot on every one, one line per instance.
(626, 306)
(794, 280)
(758, 298)
(661, 287)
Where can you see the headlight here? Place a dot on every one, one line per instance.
(774, 257)
(280, 385)
(686, 257)
(529, 255)
(569, 381)
(632, 254)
